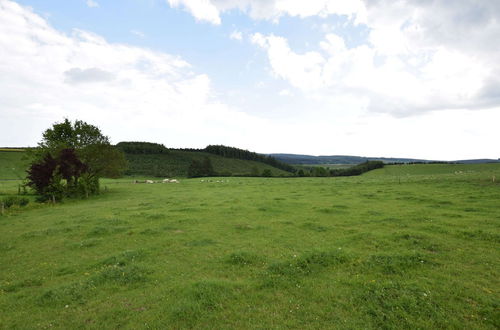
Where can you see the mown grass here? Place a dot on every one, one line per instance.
(377, 251)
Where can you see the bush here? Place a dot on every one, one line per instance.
(13, 200)
(9, 201)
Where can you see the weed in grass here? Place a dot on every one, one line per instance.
(150, 231)
(452, 215)
(479, 235)
(243, 258)
(123, 275)
(74, 293)
(289, 273)
(201, 242)
(48, 232)
(115, 222)
(124, 258)
(435, 229)
(98, 231)
(156, 216)
(200, 300)
(308, 263)
(4, 247)
(66, 270)
(397, 306)
(325, 210)
(103, 231)
(87, 243)
(419, 241)
(472, 209)
(314, 227)
(395, 264)
(246, 227)
(28, 283)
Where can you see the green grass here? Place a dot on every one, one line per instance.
(397, 248)
(13, 164)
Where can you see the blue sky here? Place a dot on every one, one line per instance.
(374, 78)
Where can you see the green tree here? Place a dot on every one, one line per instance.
(71, 158)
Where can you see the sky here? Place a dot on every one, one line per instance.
(379, 78)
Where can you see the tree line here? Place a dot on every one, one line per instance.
(231, 152)
(142, 148)
(318, 171)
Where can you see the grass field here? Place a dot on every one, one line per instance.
(409, 247)
(13, 164)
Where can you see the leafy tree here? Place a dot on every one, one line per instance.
(71, 158)
(77, 135)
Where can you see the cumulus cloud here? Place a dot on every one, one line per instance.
(202, 10)
(131, 92)
(419, 55)
(416, 58)
(210, 10)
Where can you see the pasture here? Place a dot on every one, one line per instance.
(413, 246)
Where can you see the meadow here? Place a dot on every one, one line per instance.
(414, 246)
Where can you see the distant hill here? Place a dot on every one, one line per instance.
(150, 159)
(176, 163)
(353, 160)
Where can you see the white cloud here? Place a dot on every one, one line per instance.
(210, 10)
(130, 92)
(236, 35)
(138, 33)
(421, 56)
(202, 10)
(92, 4)
(301, 70)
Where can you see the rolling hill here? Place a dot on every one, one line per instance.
(176, 163)
(353, 160)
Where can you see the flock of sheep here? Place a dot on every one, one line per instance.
(164, 181)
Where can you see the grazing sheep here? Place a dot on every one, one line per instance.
(149, 181)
